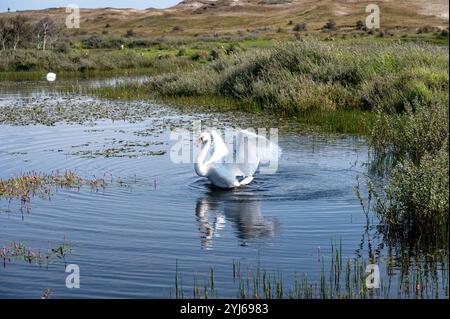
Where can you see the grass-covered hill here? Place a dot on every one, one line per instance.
(209, 17)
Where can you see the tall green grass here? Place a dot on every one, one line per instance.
(89, 74)
(414, 204)
(351, 121)
(301, 76)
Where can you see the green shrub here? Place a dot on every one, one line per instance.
(299, 27)
(101, 42)
(414, 205)
(330, 25)
(421, 130)
(181, 52)
(197, 56)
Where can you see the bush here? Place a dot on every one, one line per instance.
(231, 48)
(130, 33)
(359, 25)
(101, 42)
(197, 56)
(414, 204)
(422, 129)
(139, 43)
(181, 52)
(443, 33)
(196, 83)
(214, 55)
(92, 42)
(426, 29)
(73, 60)
(62, 47)
(330, 25)
(299, 27)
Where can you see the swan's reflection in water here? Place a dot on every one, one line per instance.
(241, 210)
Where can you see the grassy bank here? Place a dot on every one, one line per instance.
(162, 55)
(334, 85)
(301, 76)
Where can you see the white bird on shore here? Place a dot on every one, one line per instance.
(238, 167)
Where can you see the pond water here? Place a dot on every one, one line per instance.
(128, 240)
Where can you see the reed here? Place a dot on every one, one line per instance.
(413, 206)
(405, 278)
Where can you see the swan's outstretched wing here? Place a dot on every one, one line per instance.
(251, 149)
(220, 149)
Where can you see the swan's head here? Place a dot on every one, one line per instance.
(204, 138)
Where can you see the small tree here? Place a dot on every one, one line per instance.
(5, 32)
(177, 28)
(45, 32)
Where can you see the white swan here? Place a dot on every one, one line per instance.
(224, 167)
(51, 76)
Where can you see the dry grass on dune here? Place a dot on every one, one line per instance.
(204, 17)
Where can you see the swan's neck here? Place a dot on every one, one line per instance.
(200, 167)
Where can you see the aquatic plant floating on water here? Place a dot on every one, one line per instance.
(31, 184)
(76, 109)
(20, 251)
